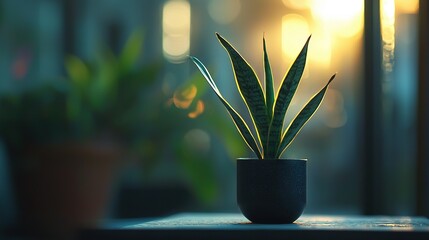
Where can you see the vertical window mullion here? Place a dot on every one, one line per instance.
(423, 113)
(372, 134)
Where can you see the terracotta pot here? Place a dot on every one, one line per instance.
(62, 187)
(271, 190)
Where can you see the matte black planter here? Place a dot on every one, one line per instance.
(271, 190)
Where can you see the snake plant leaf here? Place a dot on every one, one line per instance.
(237, 119)
(205, 73)
(269, 86)
(284, 97)
(250, 89)
(301, 119)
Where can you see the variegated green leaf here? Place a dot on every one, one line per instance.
(302, 118)
(269, 86)
(284, 97)
(205, 73)
(238, 120)
(250, 90)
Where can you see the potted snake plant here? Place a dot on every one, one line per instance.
(270, 189)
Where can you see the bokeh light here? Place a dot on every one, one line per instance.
(321, 48)
(183, 97)
(199, 109)
(297, 4)
(224, 11)
(407, 6)
(198, 139)
(176, 25)
(341, 17)
(387, 15)
(295, 31)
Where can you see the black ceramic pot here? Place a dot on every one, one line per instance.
(271, 190)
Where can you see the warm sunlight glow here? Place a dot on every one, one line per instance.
(344, 17)
(297, 4)
(321, 48)
(387, 15)
(407, 6)
(176, 25)
(295, 31)
(224, 11)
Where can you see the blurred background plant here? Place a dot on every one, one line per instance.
(116, 105)
(163, 128)
(101, 99)
(63, 133)
(108, 97)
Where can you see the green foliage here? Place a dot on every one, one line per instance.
(105, 95)
(269, 85)
(100, 99)
(117, 97)
(267, 113)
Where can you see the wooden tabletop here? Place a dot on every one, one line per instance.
(234, 226)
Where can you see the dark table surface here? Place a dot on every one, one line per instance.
(235, 226)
